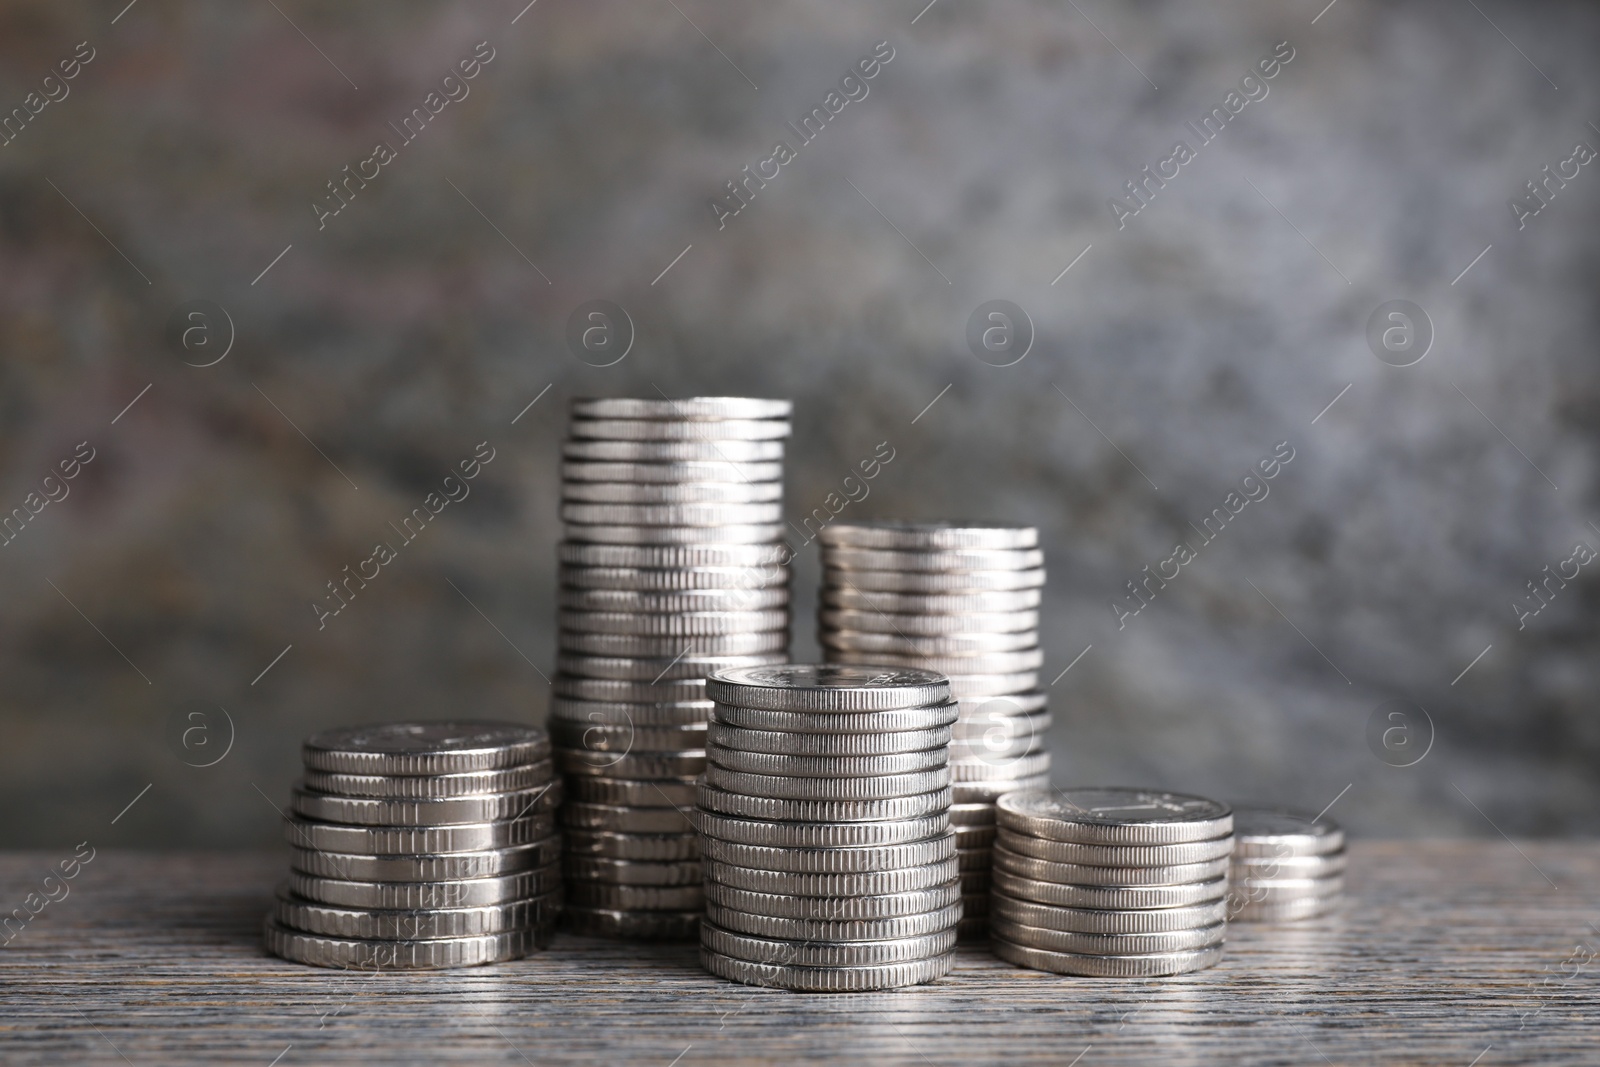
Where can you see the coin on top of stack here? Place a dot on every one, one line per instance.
(672, 566)
(961, 598)
(420, 845)
(824, 816)
(1286, 866)
(1117, 883)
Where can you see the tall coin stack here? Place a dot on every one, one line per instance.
(962, 600)
(1117, 883)
(673, 566)
(824, 814)
(1285, 866)
(421, 845)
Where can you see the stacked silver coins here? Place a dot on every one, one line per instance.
(673, 565)
(961, 599)
(824, 815)
(1119, 883)
(421, 845)
(1285, 866)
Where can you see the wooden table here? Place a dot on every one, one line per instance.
(1444, 953)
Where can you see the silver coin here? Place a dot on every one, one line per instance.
(820, 835)
(673, 451)
(862, 908)
(371, 811)
(418, 840)
(321, 951)
(608, 896)
(826, 687)
(675, 691)
(989, 791)
(862, 883)
(831, 860)
(631, 872)
(789, 787)
(577, 553)
(672, 429)
(732, 581)
(686, 408)
(1261, 832)
(1273, 890)
(834, 931)
(829, 766)
(642, 766)
(432, 786)
(1116, 855)
(691, 601)
(678, 491)
(655, 848)
(980, 838)
(979, 814)
(932, 603)
(975, 882)
(994, 746)
(1078, 874)
(656, 669)
(1022, 889)
(619, 818)
(1284, 911)
(697, 515)
(602, 534)
(633, 925)
(724, 802)
(1106, 944)
(927, 536)
(970, 860)
(1011, 769)
(780, 742)
(938, 645)
(1011, 704)
(731, 644)
(1252, 868)
(825, 954)
(873, 621)
(424, 747)
(664, 793)
(826, 979)
(969, 687)
(570, 713)
(448, 866)
(842, 724)
(1105, 921)
(874, 559)
(626, 738)
(993, 663)
(676, 624)
(461, 893)
(1152, 965)
(417, 924)
(696, 471)
(1115, 816)
(868, 580)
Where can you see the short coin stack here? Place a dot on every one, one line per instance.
(672, 566)
(1119, 883)
(1285, 866)
(421, 845)
(961, 599)
(824, 814)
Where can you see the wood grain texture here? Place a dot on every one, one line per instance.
(1442, 950)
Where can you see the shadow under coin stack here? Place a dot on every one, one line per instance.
(1285, 866)
(962, 600)
(673, 566)
(830, 865)
(1114, 883)
(421, 845)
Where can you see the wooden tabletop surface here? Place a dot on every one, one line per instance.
(1444, 953)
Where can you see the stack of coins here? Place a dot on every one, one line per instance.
(673, 565)
(1285, 866)
(961, 599)
(421, 845)
(830, 863)
(1119, 883)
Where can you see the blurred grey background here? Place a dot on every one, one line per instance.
(368, 357)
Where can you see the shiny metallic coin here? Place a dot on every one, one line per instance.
(975, 906)
(1106, 944)
(826, 979)
(1009, 705)
(463, 893)
(970, 687)
(618, 818)
(1256, 868)
(831, 860)
(584, 713)
(577, 553)
(730, 644)
(1078, 874)
(810, 953)
(715, 799)
(415, 748)
(659, 493)
(734, 759)
(653, 848)
(927, 536)
(668, 793)
(1020, 889)
(675, 624)
(865, 580)
(418, 840)
(672, 451)
(975, 882)
(626, 737)
(1152, 965)
(863, 883)
(826, 687)
(779, 742)
(1008, 769)
(833, 931)
(608, 690)
(871, 620)
(979, 814)
(1265, 833)
(789, 787)
(997, 747)
(691, 601)
(843, 724)
(974, 860)
(861, 908)
(370, 811)
(698, 472)
(600, 534)
(686, 408)
(631, 872)
(932, 603)
(975, 837)
(698, 515)
(645, 766)
(942, 562)
(940, 645)
(988, 791)
(655, 669)
(1116, 855)
(731, 581)
(441, 953)
(588, 894)
(416, 924)
(433, 786)
(1105, 921)
(992, 663)
(449, 866)
(1274, 890)
(633, 925)
(820, 835)
(1115, 816)
(1284, 911)
(673, 429)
